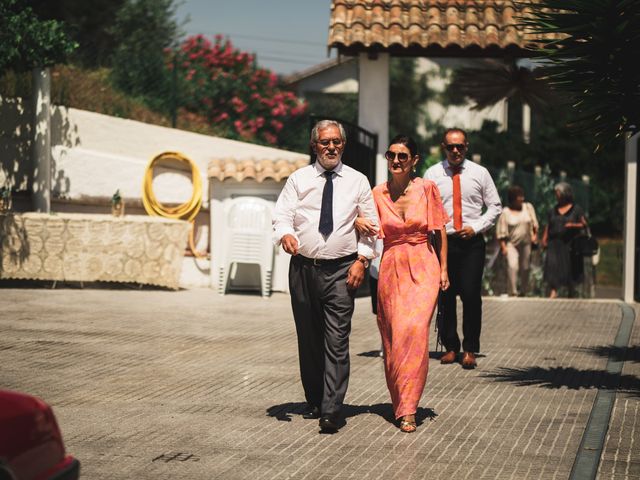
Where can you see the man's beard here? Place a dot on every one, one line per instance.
(329, 163)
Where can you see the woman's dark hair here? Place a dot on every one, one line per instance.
(513, 193)
(407, 141)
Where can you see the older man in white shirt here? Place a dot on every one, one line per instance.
(314, 222)
(466, 188)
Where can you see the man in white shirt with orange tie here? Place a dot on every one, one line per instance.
(314, 222)
(466, 188)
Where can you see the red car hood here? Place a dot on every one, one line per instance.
(30, 440)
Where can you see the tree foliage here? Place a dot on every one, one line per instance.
(89, 24)
(226, 86)
(496, 80)
(592, 58)
(27, 42)
(408, 95)
(143, 31)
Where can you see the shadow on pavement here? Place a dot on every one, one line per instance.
(558, 377)
(284, 411)
(385, 410)
(619, 354)
(438, 355)
(432, 355)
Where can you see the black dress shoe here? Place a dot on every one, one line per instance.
(311, 413)
(329, 423)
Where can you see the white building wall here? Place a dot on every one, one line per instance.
(342, 78)
(95, 154)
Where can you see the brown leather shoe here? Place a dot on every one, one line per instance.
(448, 357)
(469, 360)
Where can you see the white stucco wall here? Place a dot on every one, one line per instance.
(96, 154)
(342, 78)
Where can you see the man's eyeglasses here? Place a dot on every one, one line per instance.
(451, 146)
(402, 156)
(325, 143)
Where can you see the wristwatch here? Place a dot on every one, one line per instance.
(364, 260)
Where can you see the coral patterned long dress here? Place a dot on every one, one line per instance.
(408, 284)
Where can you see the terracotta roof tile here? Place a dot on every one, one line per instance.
(255, 169)
(427, 26)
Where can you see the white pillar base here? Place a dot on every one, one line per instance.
(630, 196)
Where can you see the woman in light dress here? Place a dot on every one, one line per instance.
(517, 232)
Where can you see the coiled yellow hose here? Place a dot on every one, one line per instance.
(186, 211)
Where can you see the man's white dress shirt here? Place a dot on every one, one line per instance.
(477, 191)
(298, 212)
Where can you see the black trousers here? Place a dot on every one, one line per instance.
(466, 265)
(322, 309)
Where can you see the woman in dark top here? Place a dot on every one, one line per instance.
(563, 267)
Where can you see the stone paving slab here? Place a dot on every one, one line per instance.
(620, 458)
(152, 384)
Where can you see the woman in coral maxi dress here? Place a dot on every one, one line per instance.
(410, 275)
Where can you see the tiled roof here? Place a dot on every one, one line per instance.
(259, 170)
(435, 27)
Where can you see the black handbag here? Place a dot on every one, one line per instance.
(585, 245)
(439, 323)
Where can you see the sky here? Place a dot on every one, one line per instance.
(287, 35)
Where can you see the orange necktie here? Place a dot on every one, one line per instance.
(457, 199)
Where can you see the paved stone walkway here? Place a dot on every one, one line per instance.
(154, 384)
(621, 455)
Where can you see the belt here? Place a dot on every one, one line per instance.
(318, 262)
(411, 238)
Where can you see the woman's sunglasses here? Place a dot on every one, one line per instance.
(402, 156)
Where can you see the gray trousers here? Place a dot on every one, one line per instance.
(322, 309)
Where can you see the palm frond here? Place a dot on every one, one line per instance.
(496, 81)
(591, 48)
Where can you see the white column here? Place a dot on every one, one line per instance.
(41, 148)
(373, 104)
(630, 196)
(505, 115)
(526, 122)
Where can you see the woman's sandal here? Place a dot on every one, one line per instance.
(407, 426)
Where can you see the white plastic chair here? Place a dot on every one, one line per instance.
(247, 236)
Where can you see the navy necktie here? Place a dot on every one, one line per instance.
(326, 211)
